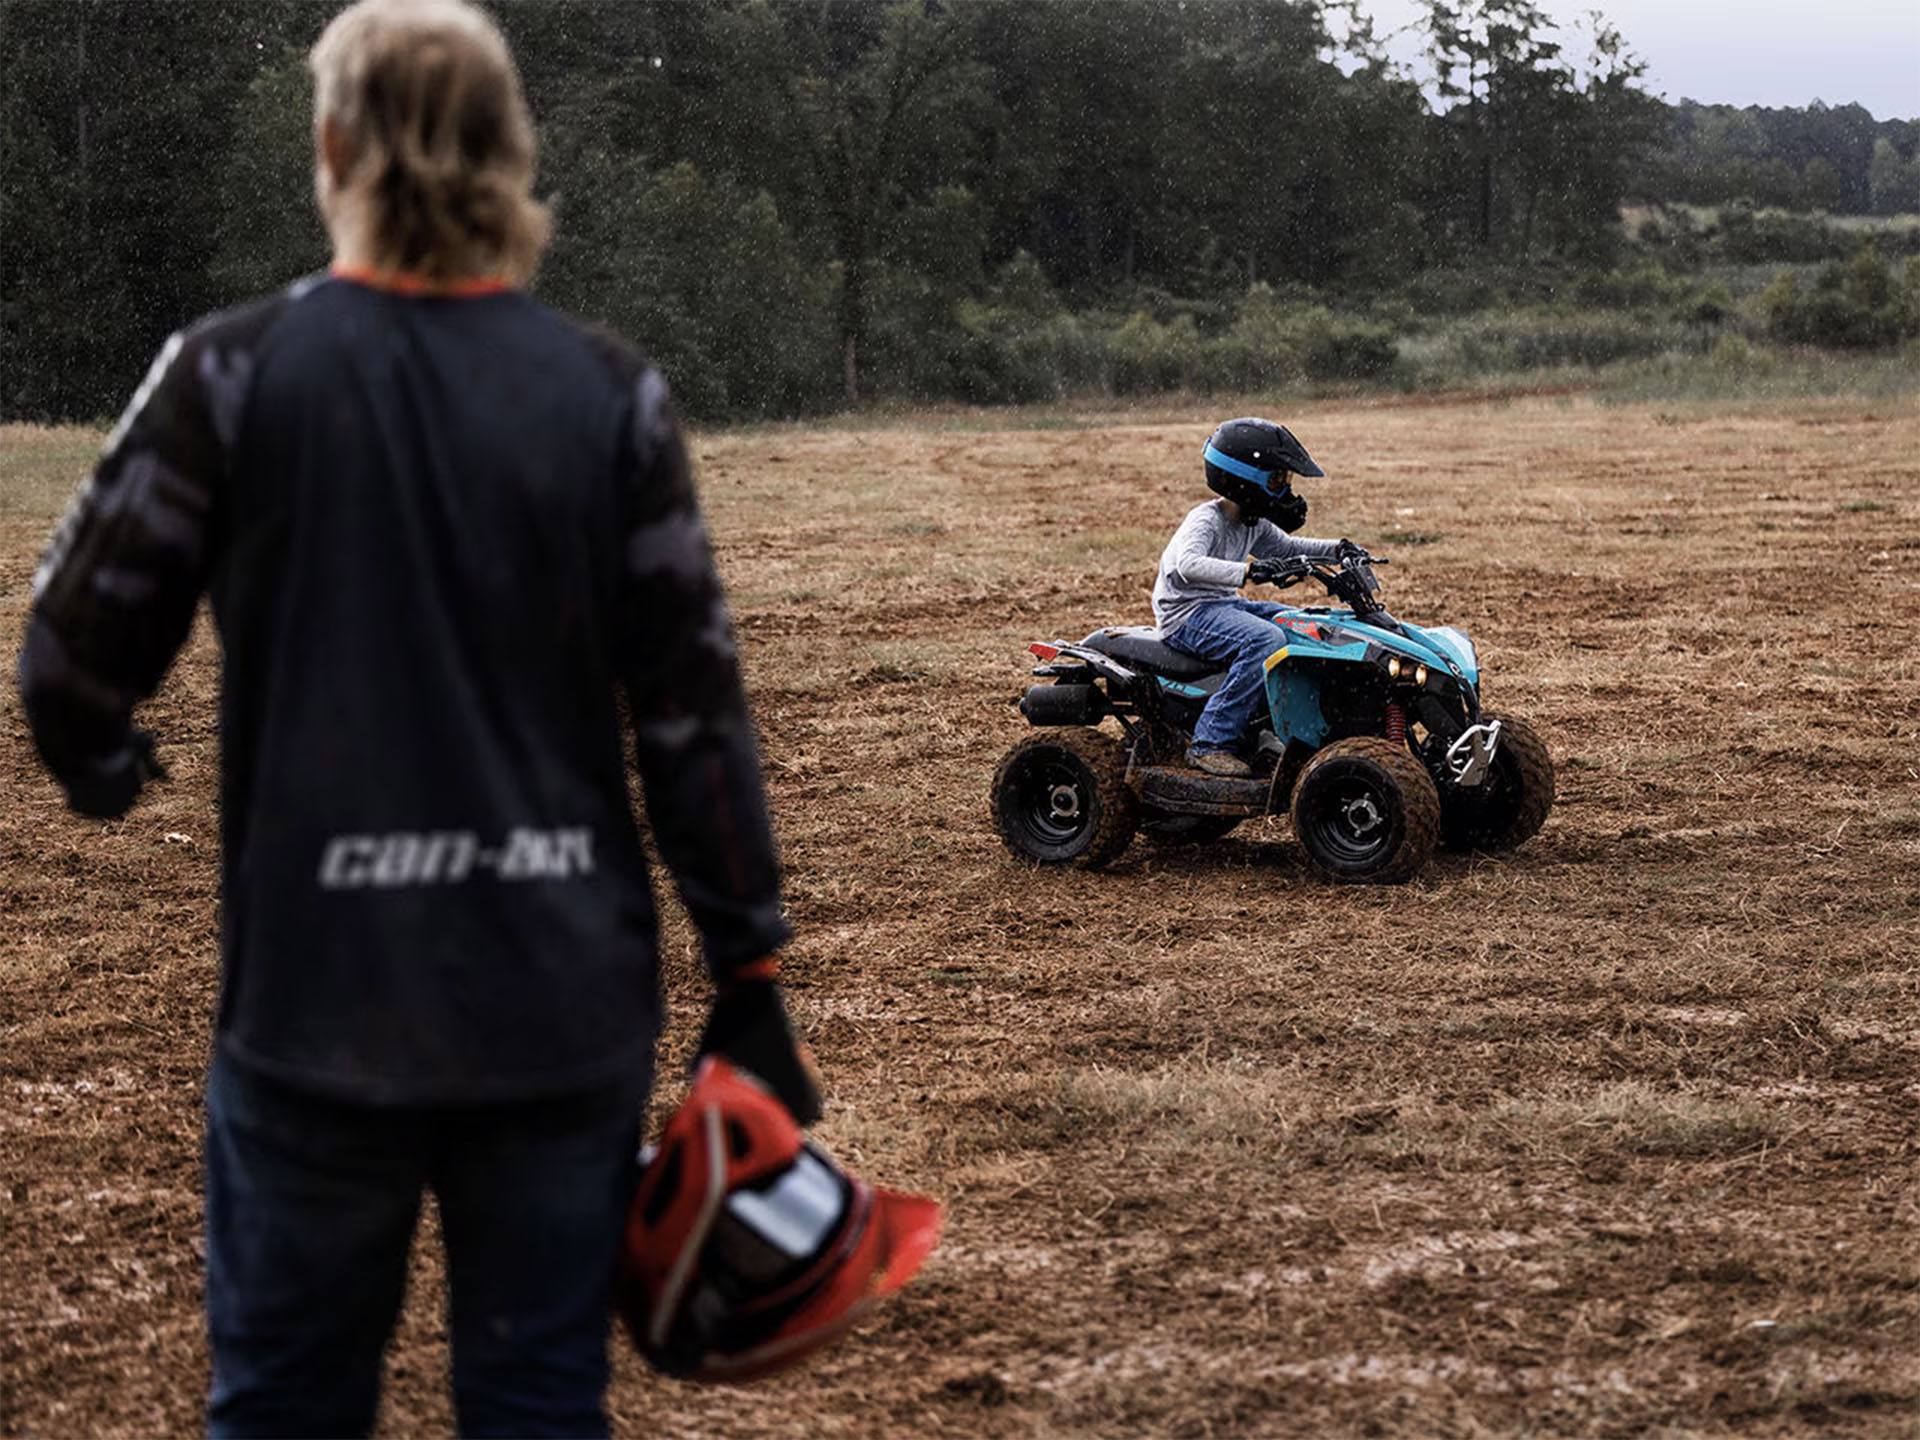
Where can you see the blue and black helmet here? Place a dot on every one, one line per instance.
(1251, 462)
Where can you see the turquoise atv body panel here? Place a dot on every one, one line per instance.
(1321, 636)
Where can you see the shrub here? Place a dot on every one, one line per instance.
(1645, 284)
(1017, 344)
(1540, 338)
(1712, 305)
(1147, 356)
(1262, 349)
(1449, 292)
(1747, 235)
(1273, 343)
(1005, 354)
(1593, 339)
(1859, 305)
(1345, 349)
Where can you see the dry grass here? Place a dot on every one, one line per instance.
(1614, 1136)
(1635, 1118)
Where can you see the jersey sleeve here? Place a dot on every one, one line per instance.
(1270, 542)
(115, 594)
(699, 763)
(1190, 556)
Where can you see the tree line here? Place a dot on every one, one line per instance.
(1817, 157)
(799, 203)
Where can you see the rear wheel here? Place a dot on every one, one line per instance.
(1364, 809)
(1511, 804)
(1163, 828)
(1061, 798)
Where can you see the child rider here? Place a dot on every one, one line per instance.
(1195, 599)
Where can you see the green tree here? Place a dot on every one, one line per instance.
(703, 274)
(1251, 139)
(108, 207)
(873, 101)
(268, 230)
(1547, 145)
(1083, 93)
(1894, 183)
(1820, 185)
(1497, 64)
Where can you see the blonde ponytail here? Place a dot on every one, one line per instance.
(440, 147)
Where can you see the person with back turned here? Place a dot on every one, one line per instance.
(443, 530)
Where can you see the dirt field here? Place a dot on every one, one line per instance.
(1614, 1136)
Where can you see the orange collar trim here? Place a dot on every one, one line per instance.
(403, 282)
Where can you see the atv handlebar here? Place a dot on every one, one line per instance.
(1295, 568)
(1347, 576)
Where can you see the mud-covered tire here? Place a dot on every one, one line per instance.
(1366, 810)
(1167, 829)
(1509, 808)
(1061, 798)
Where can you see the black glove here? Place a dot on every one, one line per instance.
(1274, 572)
(1347, 550)
(749, 1026)
(106, 788)
(1289, 512)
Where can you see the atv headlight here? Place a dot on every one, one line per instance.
(1419, 674)
(1394, 667)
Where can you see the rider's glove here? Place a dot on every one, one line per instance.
(1289, 512)
(1272, 572)
(1347, 550)
(105, 789)
(748, 1026)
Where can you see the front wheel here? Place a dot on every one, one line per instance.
(1365, 810)
(1061, 798)
(1511, 804)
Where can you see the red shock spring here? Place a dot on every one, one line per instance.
(1396, 722)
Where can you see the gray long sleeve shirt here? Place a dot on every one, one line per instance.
(1206, 561)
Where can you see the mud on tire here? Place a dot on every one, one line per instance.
(1512, 804)
(1061, 798)
(1366, 810)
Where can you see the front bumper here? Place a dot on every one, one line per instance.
(1470, 757)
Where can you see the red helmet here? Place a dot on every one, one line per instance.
(747, 1248)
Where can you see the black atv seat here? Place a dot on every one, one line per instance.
(1141, 645)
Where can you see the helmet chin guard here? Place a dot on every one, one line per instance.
(748, 1248)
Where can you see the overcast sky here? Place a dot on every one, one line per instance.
(1751, 52)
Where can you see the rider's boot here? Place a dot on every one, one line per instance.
(1218, 762)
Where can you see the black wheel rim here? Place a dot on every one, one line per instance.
(1352, 818)
(1051, 801)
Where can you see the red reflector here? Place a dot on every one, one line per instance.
(1044, 650)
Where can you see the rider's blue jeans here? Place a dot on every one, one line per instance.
(1241, 635)
(311, 1205)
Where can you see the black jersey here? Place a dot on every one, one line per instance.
(441, 537)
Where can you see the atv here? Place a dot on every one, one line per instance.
(1374, 742)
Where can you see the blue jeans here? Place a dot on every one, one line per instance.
(311, 1206)
(1240, 634)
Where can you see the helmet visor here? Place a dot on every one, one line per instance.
(764, 1237)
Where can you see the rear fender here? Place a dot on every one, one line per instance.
(1105, 666)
